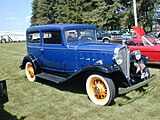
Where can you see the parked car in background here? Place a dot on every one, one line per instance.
(12, 36)
(3, 39)
(147, 44)
(117, 36)
(128, 33)
(138, 32)
(65, 52)
(148, 47)
(106, 36)
(155, 34)
(103, 35)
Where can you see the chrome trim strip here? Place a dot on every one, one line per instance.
(128, 63)
(126, 59)
(128, 89)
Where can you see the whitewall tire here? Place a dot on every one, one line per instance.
(100, 90)
(30, 73)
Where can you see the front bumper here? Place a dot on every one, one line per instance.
(138, 85)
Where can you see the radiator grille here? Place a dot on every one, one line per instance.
(126, 61)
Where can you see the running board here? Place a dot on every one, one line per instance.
(143, 83)
(52, 78)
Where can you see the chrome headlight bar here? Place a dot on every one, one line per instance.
(118, 56)
(136, 54)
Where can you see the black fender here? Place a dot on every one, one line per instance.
(33, 60)
(144, 58)
(111, 71)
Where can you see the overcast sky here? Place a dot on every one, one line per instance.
(15, 14)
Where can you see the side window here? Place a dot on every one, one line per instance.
(34, 37)
(52, 37)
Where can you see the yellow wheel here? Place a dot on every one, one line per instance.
(30, 73)
(100, 90)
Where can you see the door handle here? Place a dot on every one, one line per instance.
(41, 50)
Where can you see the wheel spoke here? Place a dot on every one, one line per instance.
(99, 89)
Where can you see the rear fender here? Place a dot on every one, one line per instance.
(30, 58)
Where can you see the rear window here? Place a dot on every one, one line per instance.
(34, 37)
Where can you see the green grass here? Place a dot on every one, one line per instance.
(47, 101)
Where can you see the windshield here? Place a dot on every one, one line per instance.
(80, 35)
(148, 40)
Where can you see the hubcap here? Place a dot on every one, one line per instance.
(31, 71)
(98, 89)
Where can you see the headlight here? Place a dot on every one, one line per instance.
(118, 58)
(136, 54)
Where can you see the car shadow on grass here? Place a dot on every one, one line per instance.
(151, 65)
(78, 86)
(141, 92)
(74, 86)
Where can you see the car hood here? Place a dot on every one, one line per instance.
(91, 53)
(92, 46)
(139, 31)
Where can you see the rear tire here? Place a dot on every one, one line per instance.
(100, 90)
(30, 72)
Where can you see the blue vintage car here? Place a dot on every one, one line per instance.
(63, 52)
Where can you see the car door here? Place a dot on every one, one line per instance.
(34, 46)
(53, 51)
(157, 53)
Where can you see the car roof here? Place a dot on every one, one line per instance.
(59, 27)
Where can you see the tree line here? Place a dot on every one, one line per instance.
(110, 14)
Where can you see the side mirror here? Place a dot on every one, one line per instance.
(3, 92)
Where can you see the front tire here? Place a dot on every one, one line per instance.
(146, 72)
(100, 90)
(30, 73)
(106, 40)
(3, 40)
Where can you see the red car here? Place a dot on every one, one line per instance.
(147, 45)
(139, 32)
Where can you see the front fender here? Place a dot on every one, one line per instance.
(106, 69)
(111, 71)
(144, 58)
